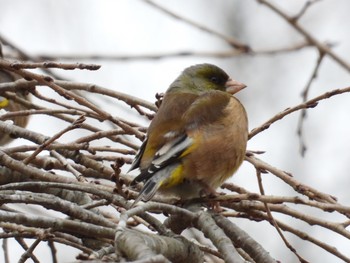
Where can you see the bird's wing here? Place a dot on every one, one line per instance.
(136, 162)
(169, 153)
(163, 167)
(155, 181)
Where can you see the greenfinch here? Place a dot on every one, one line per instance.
(11, 106)
(197, 139)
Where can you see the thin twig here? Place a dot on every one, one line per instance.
(51, 64)
(74, 125)
(272, 220)
(184, 53)
(5, 247)
(323, 48)
(308, 191)
(25, 56)
(305, 7)
(48, 81)
(68, 167)
(29, 251)
(53, 251)
(305, 93)
(230, 40)
(308, 104)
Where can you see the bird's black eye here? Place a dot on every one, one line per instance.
(215, 80)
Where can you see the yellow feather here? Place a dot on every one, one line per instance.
(189, 149)
(175, 178)
(4, 102)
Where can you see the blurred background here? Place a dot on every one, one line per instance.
(142, 49)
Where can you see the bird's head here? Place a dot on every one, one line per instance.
(205, 77)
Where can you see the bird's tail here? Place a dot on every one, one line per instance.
(155, 182)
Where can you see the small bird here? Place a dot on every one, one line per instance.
(7, 105)
(10, 105)
(197, 139)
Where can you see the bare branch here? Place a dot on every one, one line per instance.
(84, 179)
(323, 48)
(305, 7)
(305, 92)
(231, 41)
(305, 105)
(273, 221)
(186, 53)
(51, 64)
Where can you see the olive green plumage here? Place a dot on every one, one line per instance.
(197, 138)
(12, 106)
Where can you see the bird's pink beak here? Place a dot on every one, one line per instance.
(233, 86)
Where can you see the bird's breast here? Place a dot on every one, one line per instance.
(220, 147)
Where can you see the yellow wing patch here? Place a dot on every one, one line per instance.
(3, 102)
(189, 149)
(175, 178)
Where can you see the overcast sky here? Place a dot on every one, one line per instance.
(275, 82)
